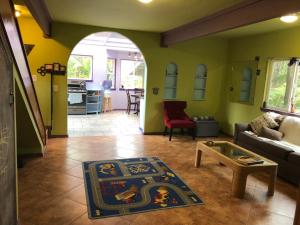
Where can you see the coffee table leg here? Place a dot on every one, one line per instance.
(198, 157)
(239, 182)
(272, 181)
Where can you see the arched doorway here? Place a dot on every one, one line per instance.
(106, 83)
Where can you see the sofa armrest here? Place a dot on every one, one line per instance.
(239, 127)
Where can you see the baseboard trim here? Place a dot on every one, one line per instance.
(30, 155)
(225, 134)
(153, 133)
(58, 136)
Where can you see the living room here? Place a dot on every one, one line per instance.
(225, 55)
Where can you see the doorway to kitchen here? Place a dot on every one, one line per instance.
(106, 82)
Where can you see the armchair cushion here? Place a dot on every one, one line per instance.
(175, 117)
(181, 124)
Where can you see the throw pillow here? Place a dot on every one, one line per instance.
(258, 123)
(277, 117)
(270, 120)
(271, 134)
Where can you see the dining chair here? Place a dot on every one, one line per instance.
(131, 103)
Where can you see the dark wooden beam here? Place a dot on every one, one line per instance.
(39, 11)
(245, 13)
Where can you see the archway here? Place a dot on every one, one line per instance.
(106, 83)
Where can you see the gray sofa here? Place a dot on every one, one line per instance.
(287, 156)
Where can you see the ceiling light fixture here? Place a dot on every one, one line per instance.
(17, 13)
(291, 18)
(145, 1)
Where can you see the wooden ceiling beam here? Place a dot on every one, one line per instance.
(40, 12)
(242, 14)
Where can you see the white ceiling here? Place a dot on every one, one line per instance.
(158, 16)
(151, 17)
(258, 28)
(111, 41)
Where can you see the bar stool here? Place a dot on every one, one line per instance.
(107, 104)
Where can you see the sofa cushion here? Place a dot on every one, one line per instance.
(290, 127)
(294, 158)
(271, 134)
(266, 145)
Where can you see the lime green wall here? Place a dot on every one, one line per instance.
(32, 34)
(284, 43)
(187, 55)
(26, 136)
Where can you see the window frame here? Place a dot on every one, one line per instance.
(114, 87)
(293, 87)
(132, 60)
(92, 69)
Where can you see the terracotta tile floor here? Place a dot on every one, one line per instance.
(51, 190)
(103, 124)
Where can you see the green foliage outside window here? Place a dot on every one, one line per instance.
(284, 85)
(132, 74)
(110, 71)
(80, 67)
(297, 94)
(277, 89)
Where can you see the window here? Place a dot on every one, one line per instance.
(283, 84)
(111, 71)
(80, 67)
(132, 74)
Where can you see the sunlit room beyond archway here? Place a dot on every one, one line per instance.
(106, 82)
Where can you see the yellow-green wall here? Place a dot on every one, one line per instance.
(27, 139)
(210, 51)
(279, 44)
(215, 53)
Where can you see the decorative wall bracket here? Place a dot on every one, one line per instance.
(155, 90)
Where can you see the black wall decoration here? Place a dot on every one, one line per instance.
(53, 69)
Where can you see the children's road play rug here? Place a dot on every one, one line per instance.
(126, 186)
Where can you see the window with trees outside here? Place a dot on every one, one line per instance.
(283, 91)
(132, 74)
(111, 71)
(80, 67)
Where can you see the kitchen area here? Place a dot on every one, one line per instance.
(102, 68)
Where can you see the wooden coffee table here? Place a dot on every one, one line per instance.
(227, 153)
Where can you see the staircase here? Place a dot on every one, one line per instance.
(24, 79)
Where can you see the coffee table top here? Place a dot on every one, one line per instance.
(225, 149)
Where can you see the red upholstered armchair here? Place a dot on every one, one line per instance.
(175, 117)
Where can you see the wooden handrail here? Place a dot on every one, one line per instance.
(13, 36)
